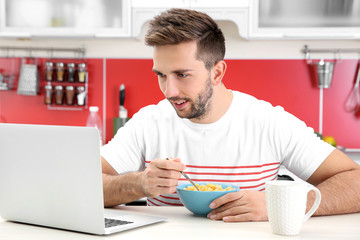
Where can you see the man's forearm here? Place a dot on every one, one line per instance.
(340, 194)
(120, 189)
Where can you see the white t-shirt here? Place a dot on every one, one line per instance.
(245, 147)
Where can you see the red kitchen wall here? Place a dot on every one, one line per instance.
(343, 125)
(288, 83)
(16, 108)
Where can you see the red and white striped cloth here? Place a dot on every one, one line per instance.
(252, 177)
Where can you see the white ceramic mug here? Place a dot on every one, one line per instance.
(286, 205)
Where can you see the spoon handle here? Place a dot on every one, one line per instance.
(187, 177)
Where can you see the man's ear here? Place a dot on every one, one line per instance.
(218, 72)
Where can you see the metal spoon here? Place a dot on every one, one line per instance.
(187, 177)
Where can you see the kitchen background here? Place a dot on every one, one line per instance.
(272, 68)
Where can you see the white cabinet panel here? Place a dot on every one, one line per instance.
(160, 3)
(255, 19)
(219, 4)
(304, 19)
(73, 18)
(231, 10)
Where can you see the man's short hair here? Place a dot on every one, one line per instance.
(177, 25)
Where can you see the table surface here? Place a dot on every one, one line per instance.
(182, 224)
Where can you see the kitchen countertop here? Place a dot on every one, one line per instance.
(354, 154)
(182, 224)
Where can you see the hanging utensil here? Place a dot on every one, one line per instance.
(28, 79)
(120, 121)
(7, 78)
(123, 113)
(324, 70)
(353, 102)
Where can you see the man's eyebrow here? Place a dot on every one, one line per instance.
(175, 71)
(156, 71)
(183, 70)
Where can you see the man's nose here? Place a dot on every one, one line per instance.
(171, 88)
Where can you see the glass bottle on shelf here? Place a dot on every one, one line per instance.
(94, 120)
(81, 95)
(71, 72)
(49, 71)
(59, 95)
(60, 71)
(82, 72)
(70, 94)
(48, 94)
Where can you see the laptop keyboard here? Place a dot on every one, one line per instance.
(115, 222)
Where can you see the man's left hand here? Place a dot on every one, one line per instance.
(242, 206)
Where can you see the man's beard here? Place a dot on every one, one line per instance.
(202, 105)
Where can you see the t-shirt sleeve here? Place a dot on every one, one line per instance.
(302, 150)
(124, 151)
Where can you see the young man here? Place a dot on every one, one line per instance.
(216, 134)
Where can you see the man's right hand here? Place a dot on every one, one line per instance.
(161, 176)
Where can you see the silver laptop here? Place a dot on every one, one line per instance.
(51, 176)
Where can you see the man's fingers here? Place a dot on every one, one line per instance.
(227, 210)
(225, 199)
(161, 176)
(171, 174)
(246, 217)
(240, 206)
(171, 164)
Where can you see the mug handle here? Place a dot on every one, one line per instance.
(316, 203)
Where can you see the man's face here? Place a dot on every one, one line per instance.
(183, 79)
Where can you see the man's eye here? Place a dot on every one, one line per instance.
(182, 75)
(159, 74)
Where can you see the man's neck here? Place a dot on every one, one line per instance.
(221, 102)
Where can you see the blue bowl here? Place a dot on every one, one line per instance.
(198, 201)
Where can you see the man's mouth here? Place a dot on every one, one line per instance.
(180, 104)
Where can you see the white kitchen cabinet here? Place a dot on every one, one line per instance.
(65, 18)
(160, 3)
(304, 19)
(255, 19)
(228, 10)
(218, 4)
(268, 19)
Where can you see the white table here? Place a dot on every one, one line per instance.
(182, 224)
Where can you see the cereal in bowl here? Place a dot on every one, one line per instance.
(209, 187)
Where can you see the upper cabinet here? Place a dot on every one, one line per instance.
(304, 19)
(255, 19)
(268, 19)
(65, 18)
(232, 10)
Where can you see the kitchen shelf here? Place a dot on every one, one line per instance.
(351, 150)
(336, 51)
(70, 108)
(65, 84)
(81, 51)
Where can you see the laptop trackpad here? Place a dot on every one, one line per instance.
(119, 219)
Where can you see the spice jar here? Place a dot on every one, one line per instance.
(59, 95)
(70, 94)
(81, 95)
(49, 71)
(82, 72)
(48, 95)
(71, 72)
(60, 71)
